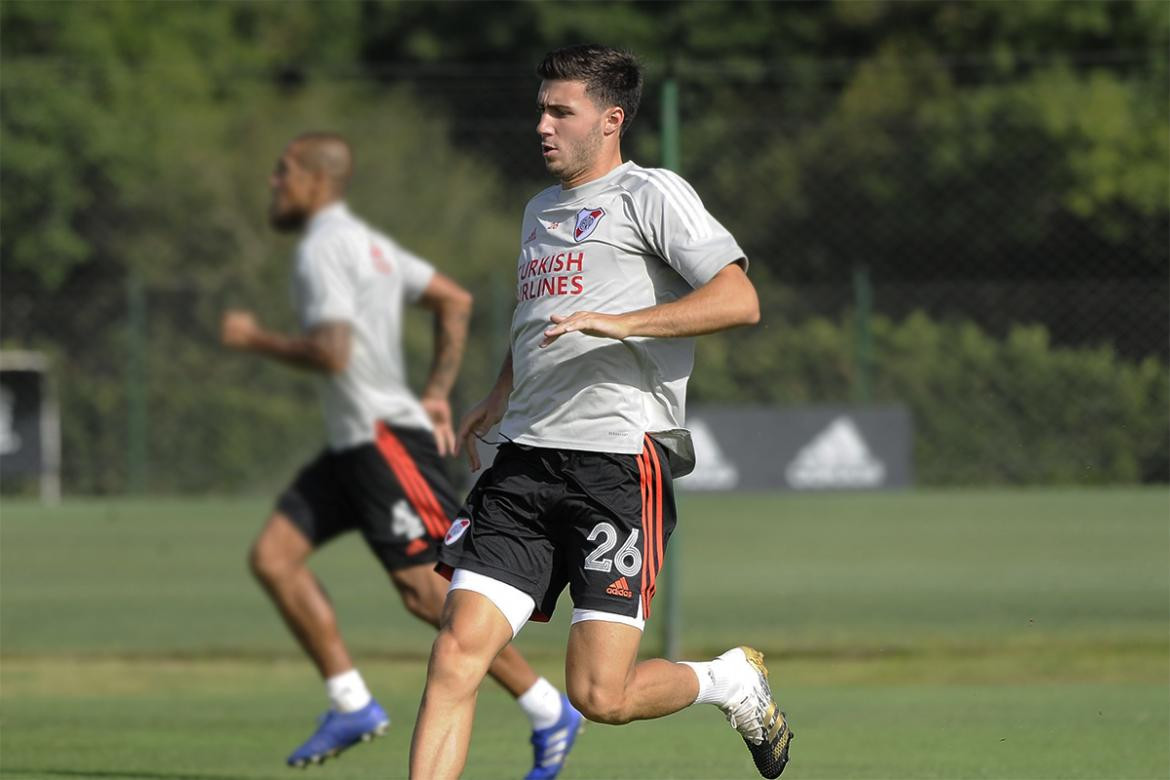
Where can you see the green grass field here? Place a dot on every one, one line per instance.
(1012, 634)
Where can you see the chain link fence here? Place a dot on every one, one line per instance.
(995, 303)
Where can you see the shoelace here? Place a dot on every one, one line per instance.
(747, 716)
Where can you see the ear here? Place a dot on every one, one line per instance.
(323, 187)
(613, 120)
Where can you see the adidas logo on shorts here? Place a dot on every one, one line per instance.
(619, 587)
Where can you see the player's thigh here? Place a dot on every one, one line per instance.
(308, 513)
(279, 543)
(622, 515)
(600, 659)
(503, 538)
(473, 632)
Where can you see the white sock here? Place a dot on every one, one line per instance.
(347, 691)
(541, 703)
(717, 683)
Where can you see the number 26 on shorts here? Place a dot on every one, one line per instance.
(627, 560)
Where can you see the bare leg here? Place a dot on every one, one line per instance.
(472, 633)
(607, 684)
(277, 559)
(423, 591)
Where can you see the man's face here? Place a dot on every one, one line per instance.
(570, 129)
(293, 190)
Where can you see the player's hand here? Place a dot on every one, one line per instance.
(439, 410)
(237, 328)
(591, 323)
(479, 421)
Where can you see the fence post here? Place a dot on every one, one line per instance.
(672, 624)
(136, 413)
(863, 334)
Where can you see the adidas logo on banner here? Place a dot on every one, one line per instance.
(713, 469)
(837, 457)
(619, 587)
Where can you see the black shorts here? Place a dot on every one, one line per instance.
(542, 518)
(394, 490)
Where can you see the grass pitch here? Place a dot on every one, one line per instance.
(1015, 634)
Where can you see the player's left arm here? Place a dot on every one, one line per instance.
(451, 305)
(726, 301)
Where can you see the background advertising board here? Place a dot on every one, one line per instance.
(801, 448)
(805, 448)
(20, 422)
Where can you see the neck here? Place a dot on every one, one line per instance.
(320, 205)
(600, 167)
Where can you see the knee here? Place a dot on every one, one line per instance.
(451, 650)
(267, 565)
(599, 704)
(454, 661)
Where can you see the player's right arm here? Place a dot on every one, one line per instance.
(486, 413)
(451, 305)
(323, 348)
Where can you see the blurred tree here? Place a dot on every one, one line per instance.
(137, 140)
(924, 140)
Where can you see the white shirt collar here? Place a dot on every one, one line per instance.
(334, 209)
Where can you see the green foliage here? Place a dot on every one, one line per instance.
(1021, 411)
(142, 149)
(919, 175)
(253, 420)
(986, 411)
(137, 137)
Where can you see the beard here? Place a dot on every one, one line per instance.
(289, 220)
(577, 159)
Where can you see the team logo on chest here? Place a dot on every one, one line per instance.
(381, 263)
(587, 220)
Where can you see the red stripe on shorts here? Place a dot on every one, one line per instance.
(657, 506)
(654, 538)
(413, 483)
(647, 547)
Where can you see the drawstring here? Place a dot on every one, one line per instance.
(507, 439)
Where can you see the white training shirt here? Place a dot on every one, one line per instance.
(635, 238)
(348, 272)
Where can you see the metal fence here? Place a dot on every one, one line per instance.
(837, 233)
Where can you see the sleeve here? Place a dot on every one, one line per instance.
(680, 230)
(416, 273)
(326, 288)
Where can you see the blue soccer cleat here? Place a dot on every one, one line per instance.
(551, 746)
(339, 730)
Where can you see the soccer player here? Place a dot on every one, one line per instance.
(381, 473)
(620, 266)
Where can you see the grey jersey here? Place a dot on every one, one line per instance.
(348, 272)
(635, 238)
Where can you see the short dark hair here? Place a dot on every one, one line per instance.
(613, 77)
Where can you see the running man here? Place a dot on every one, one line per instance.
(381, 473)
(620, 266)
